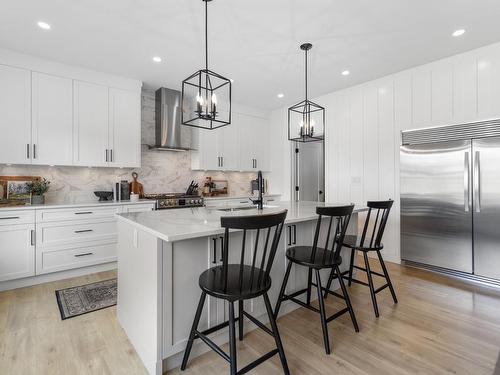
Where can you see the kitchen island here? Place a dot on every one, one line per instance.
(160, 257)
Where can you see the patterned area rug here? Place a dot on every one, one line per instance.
(86, 298)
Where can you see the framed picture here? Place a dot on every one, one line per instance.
(13, 188)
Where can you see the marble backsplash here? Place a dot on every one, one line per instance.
(161, 171)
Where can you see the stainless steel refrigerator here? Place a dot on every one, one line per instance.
(450, 203)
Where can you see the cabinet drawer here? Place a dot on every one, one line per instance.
(75, 232)
(13, 217)
(60, 260)
(82, 213)
(138, 207)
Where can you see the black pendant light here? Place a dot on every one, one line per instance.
(306, 120)
(206, 95)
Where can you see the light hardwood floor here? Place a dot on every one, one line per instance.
(440, 326)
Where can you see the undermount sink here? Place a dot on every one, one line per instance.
(233, 209)
(236, 208)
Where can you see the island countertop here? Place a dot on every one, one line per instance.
(181, 224)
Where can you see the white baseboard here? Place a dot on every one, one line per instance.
(34, 280)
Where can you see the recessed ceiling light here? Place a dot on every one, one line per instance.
(157, 59)
(458, 32)
(43, 25)
(346, 73)
(280, 95)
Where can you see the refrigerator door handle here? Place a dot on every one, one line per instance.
(466, 182)
(477, 182)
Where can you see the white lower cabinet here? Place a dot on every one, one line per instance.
(17, 251)
(40, 241)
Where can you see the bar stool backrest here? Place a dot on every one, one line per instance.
(271, 226)
(376, 219)
(339, 221)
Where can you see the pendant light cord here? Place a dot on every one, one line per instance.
(306, 74)
(206, 34)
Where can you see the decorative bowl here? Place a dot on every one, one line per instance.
(104, 195)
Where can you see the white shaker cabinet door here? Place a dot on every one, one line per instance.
(52, 120)
(17, 251)
(91, 117)
(247, 143)
(15, 115)
(124, 128)
(261, 144)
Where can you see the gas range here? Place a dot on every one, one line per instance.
(175, 200)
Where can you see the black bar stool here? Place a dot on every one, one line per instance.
(238, 282)
(376, 218)
(317, 258)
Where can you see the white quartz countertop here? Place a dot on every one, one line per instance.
(72, 205)
(181, 224)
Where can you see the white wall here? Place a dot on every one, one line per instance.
(364, 122)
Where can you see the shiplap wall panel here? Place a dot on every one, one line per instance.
(370, 175)
(364, 123)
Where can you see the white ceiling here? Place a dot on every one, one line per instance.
(254, 42)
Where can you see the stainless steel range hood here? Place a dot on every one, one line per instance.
(168, 130)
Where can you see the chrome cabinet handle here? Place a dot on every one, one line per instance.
(82, 255)
(294, 234)
(221, 249)
(83, 213)
(215, 250)
(106, 153)
(34, 151)
(289, 235)
(466, 182)
(27, 150)
(477, 182)
(111, 155)
(32, 237)
(84, 231)
(9, 217)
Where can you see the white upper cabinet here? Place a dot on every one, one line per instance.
(55, 114)
(91, 123)
(124, 128)
(488, 82)
(240, 146)
(253, 143)
(15, 115)
(52, 120)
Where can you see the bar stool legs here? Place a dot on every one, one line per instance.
(351, 266)
(322, 313)
(192, 334)
(347, 299)
(276, 334)
(370, 284)
(240, 320)
(283, 289)
(388, 279)
(232, 340)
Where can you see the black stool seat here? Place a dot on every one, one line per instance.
(322, 258)
(355, 242)
(243, 282)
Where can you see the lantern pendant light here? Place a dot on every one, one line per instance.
(206, 95)
(306, 120)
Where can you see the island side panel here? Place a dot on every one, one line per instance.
(139, 305)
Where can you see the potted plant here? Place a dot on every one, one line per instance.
(37, 189)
